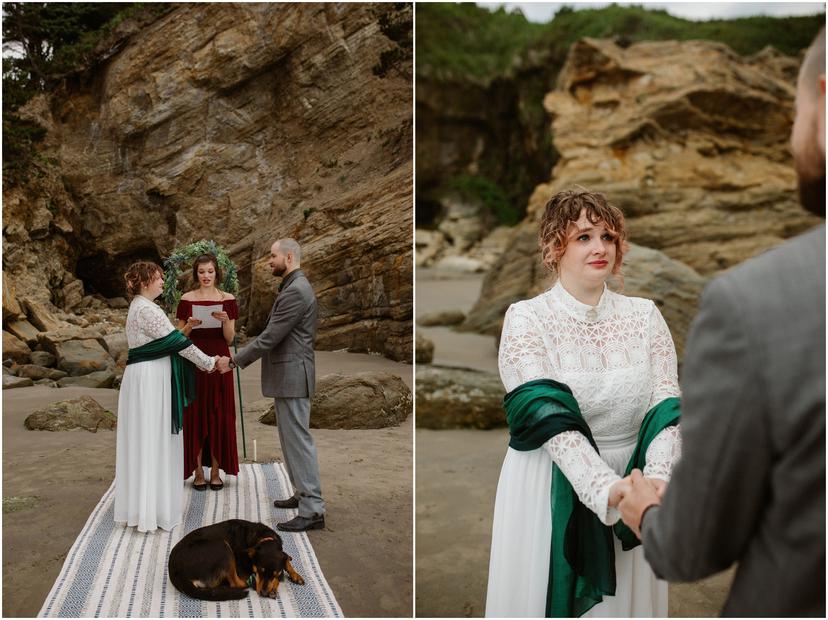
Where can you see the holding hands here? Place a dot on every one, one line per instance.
(222, 364)
(633, 495)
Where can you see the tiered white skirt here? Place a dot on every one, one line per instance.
(149, 459)
(521, 535)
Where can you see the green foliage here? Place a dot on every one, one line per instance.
(42, 42)
(173, 269)
(397, 25)
(486, 193)
(463, 40)
(466, 40)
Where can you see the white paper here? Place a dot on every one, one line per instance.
(204, 314)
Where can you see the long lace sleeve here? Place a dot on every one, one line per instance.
(156, 325)
(663, 361)
(522, 357)
(663, 452)
(665, 449)
(590, 477)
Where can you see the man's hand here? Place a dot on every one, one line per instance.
(223, 364)
(640, 496)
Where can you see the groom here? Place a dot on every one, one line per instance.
(288, 374)
(750, 486)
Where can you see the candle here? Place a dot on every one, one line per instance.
(254, 451)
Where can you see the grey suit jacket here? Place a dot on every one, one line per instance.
(286, 343)
(750, 486)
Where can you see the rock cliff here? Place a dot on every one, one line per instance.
(691, 141)
(242, 123)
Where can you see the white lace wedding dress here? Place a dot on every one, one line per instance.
(619, 360)
(149, 458)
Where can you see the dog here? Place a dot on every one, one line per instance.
(218, 562)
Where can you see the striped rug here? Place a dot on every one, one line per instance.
(116, 571)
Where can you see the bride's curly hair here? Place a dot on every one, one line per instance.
(563, 209)
(140, 274)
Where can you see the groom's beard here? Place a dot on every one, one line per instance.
(279, 271)
(812, 195)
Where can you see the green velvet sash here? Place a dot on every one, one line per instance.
(582, 558)
(183, 372)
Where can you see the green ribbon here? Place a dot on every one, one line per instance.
(182, 375)
(582, 558)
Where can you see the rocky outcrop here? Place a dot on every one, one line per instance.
(360, 400)
(83, 412)
(444, 317)
(97, 379)
(15, 349)
(241, 123)
(433, 249)
(487, 128)
(424, 351)
(11, 381)
(35, 372)
(688, 138)
(691, 141)
(458, 398)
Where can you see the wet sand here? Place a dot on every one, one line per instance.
(457, 473)
(59, 477)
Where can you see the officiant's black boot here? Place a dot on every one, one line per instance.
(302, 524)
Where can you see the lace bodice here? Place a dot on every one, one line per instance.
(619, 360)
(147, 322)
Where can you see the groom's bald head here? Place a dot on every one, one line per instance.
(808, 134)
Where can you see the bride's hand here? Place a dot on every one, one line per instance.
(193, 322)
(617, 491)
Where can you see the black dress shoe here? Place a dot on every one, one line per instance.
(302, 524)
(290, 502)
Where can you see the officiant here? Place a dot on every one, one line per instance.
(207, 315)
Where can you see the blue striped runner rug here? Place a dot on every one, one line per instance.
(116, 571)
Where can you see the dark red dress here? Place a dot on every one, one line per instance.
(210, 420)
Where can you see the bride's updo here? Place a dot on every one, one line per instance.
(139, 275)
(563, 209)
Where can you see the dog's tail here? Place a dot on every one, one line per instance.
(220, 593)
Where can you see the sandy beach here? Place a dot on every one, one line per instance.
(457, 474)
(53, 480)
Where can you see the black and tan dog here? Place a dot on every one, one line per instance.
(215, 562)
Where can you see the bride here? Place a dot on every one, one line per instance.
(615, 356)
(149, 449)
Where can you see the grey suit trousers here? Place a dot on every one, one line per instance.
(299, 450)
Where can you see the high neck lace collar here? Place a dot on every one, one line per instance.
(579, 310)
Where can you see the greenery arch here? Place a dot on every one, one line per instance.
(185, 255)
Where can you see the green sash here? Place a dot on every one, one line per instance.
(664, 414)
(183, 372)
(582, 558)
